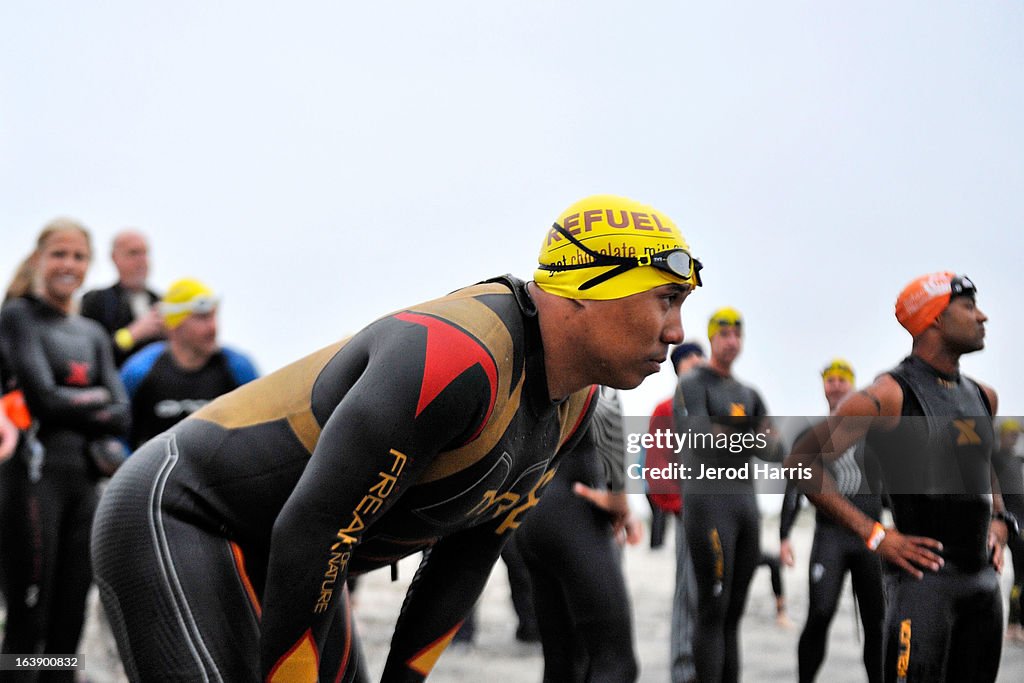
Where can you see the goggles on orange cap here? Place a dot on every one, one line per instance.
(677, 262)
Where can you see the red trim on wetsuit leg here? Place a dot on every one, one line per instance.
(243, 576)
(450, 352)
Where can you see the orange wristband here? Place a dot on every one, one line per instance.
(876, 537)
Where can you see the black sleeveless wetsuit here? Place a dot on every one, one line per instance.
(222, 547)
(936, 468)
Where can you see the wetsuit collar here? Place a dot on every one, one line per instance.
(710, 371)
(955, 377)
(519, 291)
(45, 305)
(537, 397)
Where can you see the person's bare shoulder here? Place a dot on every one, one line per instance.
(881, 400)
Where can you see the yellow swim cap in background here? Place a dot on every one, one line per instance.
(721, 318)
(183, 298)
(615, 227)
(839, 368)
(1009, 425)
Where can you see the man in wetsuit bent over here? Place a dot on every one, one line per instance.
(931, 429)
(223, 546)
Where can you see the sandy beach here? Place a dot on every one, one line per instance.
(768, 651)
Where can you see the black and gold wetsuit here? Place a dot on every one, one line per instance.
(223, 546)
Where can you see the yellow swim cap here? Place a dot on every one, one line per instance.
(183, 298)
(609, 247)
(723, 317)
(839, 368)
(1009, 425)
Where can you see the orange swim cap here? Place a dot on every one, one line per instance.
(921, 302)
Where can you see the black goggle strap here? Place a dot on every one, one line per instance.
(599, 258)
(635, 263)
(623, 263)
(605, 276)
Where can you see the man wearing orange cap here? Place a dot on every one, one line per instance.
(224, 544)
(931, 428)
(168, 381)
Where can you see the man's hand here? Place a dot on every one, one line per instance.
(998, 535)
(624, 526)
(147, 326)
(786, 555)
(911, 552)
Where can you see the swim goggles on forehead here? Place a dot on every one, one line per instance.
(200, 304)
(677, 262)
(962, 285)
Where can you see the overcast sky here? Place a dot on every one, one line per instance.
(323, 163)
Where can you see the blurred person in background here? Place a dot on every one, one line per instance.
(665, 497)
(127, 309)
(63, 364)
(168, 381)
(569, 544)
(668, 501)
(723, 522)
(836, 550)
